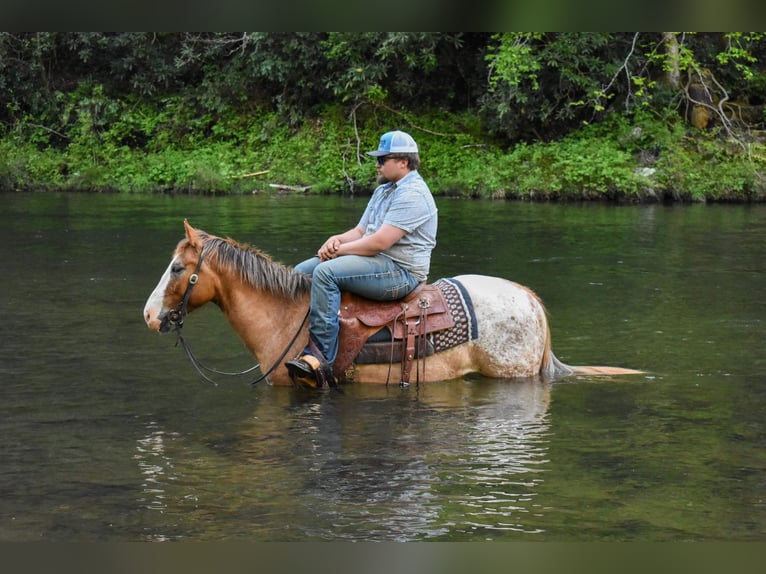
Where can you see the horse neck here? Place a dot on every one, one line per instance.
(266, 321)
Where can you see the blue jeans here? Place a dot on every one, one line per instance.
(376, 277)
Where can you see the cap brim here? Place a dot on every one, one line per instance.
(378, 153)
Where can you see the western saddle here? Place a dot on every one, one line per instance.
(409, 320)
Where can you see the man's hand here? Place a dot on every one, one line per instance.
(329, 249)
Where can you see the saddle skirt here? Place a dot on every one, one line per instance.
(427, 314)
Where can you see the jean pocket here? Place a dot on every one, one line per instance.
(400, 290)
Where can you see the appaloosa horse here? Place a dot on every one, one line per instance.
(501, 328)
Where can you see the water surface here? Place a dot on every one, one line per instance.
(108, 434)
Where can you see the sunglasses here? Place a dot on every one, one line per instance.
(384, 158)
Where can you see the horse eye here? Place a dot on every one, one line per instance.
(177, 268)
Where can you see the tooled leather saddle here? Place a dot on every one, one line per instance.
(409, 320)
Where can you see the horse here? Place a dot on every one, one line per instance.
(266, 303)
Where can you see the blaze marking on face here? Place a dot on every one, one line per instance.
(154, 304)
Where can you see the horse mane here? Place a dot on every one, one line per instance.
(255, 268)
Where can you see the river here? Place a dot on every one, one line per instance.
(108, 434)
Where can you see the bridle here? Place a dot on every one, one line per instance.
(175, 318)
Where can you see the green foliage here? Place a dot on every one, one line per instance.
(599, 161)
(23, 166)
(704, 170)
(415, 69)
(551, 115)
(743, 51)
(512, 62)
(539, 83)
(576, 168)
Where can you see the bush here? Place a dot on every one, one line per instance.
(706, 170)
(144, 150)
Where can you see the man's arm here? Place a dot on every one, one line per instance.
(329, 248)
(373, 244)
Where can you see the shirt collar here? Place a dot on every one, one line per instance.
(391, 186)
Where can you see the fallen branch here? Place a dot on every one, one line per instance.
(49, 130)
(250, 174)
(290, 187)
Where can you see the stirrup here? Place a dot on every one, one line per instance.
(309, 371)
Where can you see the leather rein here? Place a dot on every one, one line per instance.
(175, 318)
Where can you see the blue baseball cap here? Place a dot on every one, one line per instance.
(395, 142)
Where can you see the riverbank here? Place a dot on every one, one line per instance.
(624, 159)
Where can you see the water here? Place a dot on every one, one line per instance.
(108, 434)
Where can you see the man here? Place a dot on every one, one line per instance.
(383, 258)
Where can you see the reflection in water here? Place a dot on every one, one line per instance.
(448, 461)
(505, 459)
(156, 470)
(356, 486)
(425, 463)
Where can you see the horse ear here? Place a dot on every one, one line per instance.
(192, 235)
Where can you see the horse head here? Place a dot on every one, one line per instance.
(186, 284)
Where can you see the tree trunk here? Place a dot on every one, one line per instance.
(671, 47)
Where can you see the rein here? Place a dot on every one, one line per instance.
(201, 368)
(176, 316)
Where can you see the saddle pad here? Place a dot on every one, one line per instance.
(461, 307)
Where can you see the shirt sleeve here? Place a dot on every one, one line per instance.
(408, 211)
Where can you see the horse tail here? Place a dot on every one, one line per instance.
(599, 370)
(552, 367)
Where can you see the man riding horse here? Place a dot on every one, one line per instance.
(384, 258)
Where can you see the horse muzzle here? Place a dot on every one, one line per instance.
(173, 319)
(158, 322)
(165, 323)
